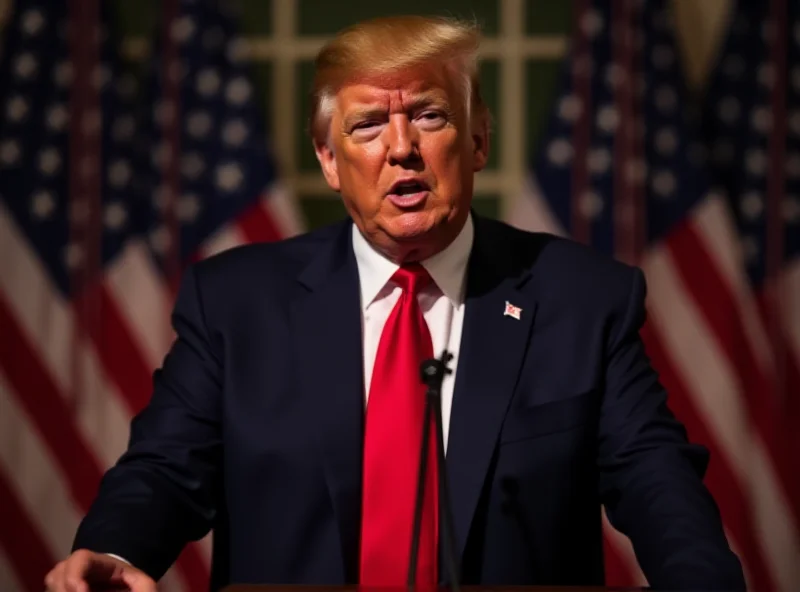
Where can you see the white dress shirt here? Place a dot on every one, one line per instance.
(442, 303)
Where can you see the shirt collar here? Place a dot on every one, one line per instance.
(447, 268)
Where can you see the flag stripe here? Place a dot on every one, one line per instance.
(34, 476)
(256, 225)
(720, 478)
(9, 579)
(696, 268)
(712, 380)
(22, 543)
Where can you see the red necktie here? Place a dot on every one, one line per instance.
(392, 439)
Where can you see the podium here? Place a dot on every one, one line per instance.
(293, 588)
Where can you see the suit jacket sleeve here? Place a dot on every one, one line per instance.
(651, 476)
(162, 492)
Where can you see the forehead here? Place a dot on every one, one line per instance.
(433, 83)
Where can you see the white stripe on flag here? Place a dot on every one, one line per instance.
(281, 207)
(531, 212)
(8, 577)
(624, 549)
(226, 238)
(49, 323)
(35, 476)
(715, 227)
(172, 582)
(145, 303)
(716, 393)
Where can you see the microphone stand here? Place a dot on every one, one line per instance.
(432, 375)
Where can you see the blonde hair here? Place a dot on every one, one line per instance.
(387, 45)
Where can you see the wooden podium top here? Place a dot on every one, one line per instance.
(291, 588)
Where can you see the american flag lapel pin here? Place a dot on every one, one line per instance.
(512, 311)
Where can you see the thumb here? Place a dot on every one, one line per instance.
(138, 581)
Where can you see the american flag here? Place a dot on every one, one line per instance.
(622, 166)
(106, 192)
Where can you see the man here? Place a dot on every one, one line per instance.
(257, 425)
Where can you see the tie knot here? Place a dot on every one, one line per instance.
(412, 278)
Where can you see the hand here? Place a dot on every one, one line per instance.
(84, 571)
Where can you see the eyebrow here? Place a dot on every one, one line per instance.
(416, 102)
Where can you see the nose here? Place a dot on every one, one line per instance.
(402, 140)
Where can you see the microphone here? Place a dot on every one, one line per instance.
(432, 374)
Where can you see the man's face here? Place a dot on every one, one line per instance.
(403, 153)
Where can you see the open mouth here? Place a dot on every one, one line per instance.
(408, 193)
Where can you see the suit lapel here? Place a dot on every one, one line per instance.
(493, 347)
(327, 344)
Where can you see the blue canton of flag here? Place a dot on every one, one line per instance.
(209, 156)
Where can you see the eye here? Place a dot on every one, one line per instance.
(431, 119)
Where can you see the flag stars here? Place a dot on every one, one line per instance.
(17, 109)
(115, 215)
(43, 205)
(592, 23)
(119, 174)
(229, 177)
(164, 112)
(591, 205)
(160, 240)
(751, 206)
(615, 75)
(56, 118)
(608, 119)
(756, 162)
(766, 75)
(192, 166)
(126, 86)
(9, 153)
(74, 256)
(32, 22)
(761, 120)
(182, 29)
(198, 124)
(636, 171)
(664, 184)
(234, 133)
(25, 66)
(666, 141)
(569, 108)
(208, 82)
(238, 91)
(236, 50)
(49, 161)
(188, 208)
(63, 73)
(559, 152)
(750, 250)
(599, 161)
(101, 76)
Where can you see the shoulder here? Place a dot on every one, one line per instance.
(258, 273)
(563, 270)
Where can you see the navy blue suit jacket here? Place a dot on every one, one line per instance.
(255, 425)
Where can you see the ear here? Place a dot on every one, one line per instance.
(480, 141)
(327, 160)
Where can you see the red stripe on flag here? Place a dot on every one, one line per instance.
(618, 572)
(257, 225)
(120, 356)
(47, 408)
(42, 401)
(733, 502)
(23, 545)
(695, 267)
